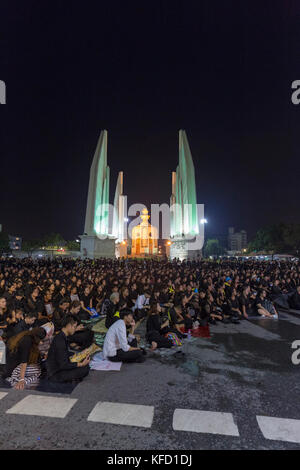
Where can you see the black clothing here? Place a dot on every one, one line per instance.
(71, 374)
(21, 326)
(59, 356)
(83, 338)
(155, 332)
(57, 318)
(294, 301)
(128, 356)
(83, 315)
(21, 356)
(111, 310)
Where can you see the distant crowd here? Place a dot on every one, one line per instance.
(46, 306)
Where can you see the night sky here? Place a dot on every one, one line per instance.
(221, 70)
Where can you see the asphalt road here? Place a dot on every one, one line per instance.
(242, 372)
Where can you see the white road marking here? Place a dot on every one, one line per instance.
(210, 422)
(37, 405)
(122, 413)
(2, 394)
(279, 429)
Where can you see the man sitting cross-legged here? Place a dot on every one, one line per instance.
(59, 366)
(116, 347)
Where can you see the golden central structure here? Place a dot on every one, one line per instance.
(105, 230)
(144, 237)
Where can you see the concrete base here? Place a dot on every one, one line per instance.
(179, 249)
(94, 247)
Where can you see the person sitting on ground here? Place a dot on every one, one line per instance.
(26, 324)
(157, 329)
(261, 305)
(211, 311)
(83, 337)
(111, 309)
(116, 347)
(142, 305)
(234, 305)
(60, 313)
(294, 301)
(22, 364)
(58, 364)
(176, 320)
(246, 302)
(12, 321)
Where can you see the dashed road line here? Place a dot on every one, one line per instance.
(189, 420)
(280, 429)
(122, 413)
(37, 405)
(210, 422)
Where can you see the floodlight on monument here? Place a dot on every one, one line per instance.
(126, 219)
(203, 221)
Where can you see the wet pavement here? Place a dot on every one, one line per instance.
(245, 370)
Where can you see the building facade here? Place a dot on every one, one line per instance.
(237, 241)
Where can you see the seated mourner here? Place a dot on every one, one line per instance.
(83, 337)
(23, 357)
(116, 347)
(59, 366)
(157, 328)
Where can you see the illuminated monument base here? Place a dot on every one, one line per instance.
(93, 247)
(180, 249)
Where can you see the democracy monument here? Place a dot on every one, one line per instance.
(105, 230)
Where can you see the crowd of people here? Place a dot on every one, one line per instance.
(45, 306)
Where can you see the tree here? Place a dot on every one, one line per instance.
(73, 245)
(53, 241)
(31, 245)
(213, 247)
(278, 238)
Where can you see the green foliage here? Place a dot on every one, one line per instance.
(73, 245)
(53, 241)
(213, 247)
(31, 245)
(278, 238)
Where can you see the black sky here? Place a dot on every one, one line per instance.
(221, 70)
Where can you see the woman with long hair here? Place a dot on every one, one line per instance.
(23, 355)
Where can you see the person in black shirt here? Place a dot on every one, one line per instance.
(26, 324)
(58, 364)
(294, 301)
(60, 312)
(83, 337)
(22, 349)
(112, 308)
(156, 329)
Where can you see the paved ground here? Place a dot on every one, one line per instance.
(236, 390)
